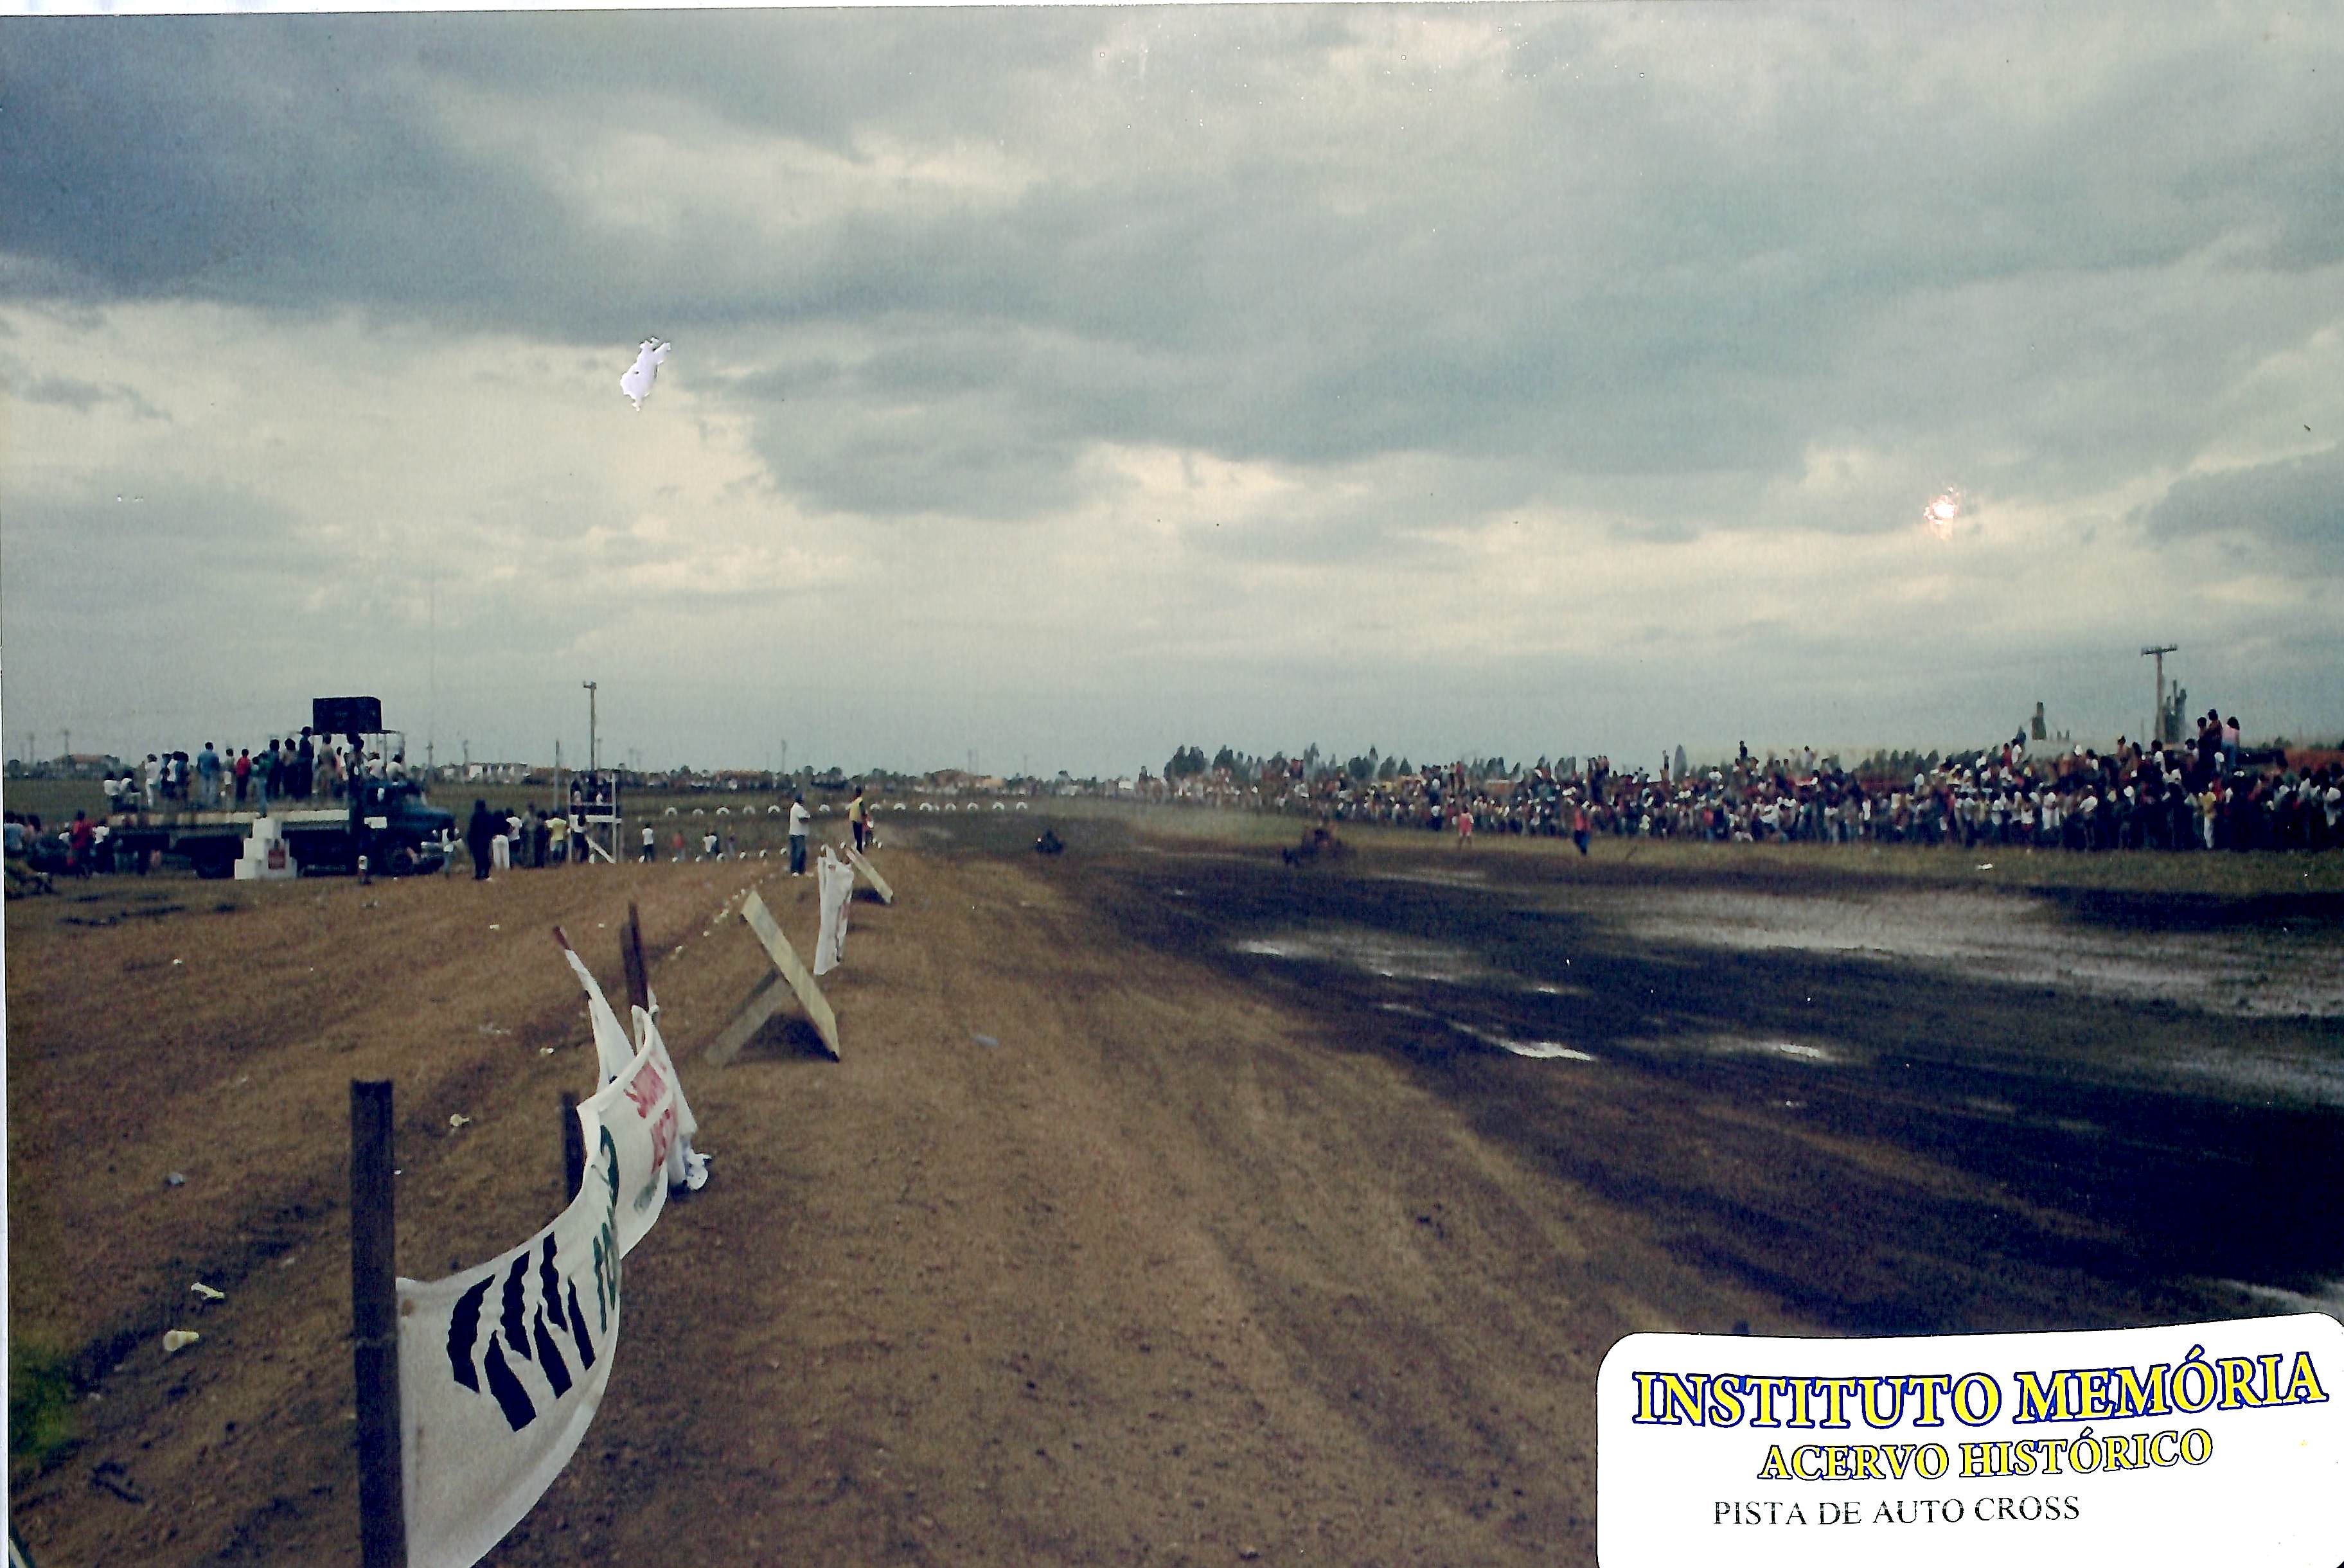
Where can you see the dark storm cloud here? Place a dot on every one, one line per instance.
(1574, 262)
(65, 391)
(2297, 502)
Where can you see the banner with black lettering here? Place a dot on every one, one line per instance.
(502, 1366)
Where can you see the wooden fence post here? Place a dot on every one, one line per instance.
(631, 951)
(573, 1148)
(374, 1329)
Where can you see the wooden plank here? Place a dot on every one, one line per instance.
(374, 1329)
(771, 995)
(878, 883)
(785, 959)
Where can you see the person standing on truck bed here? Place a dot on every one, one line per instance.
(242, 769)
(207, 775)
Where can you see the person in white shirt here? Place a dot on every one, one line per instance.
(650, 843)
(801, 820)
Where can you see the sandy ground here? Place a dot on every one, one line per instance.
(1218, 1254)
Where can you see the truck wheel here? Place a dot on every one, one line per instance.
(213, 866)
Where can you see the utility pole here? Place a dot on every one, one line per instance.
(590, 727)
(2156, 708)
(431, 665)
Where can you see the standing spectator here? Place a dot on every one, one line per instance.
(858, 819)
(150, 780)
(207, 775)
(113, 794)
(81, 846)
(650, 843)
(800, 821)
(242, 770)
(264, 776)
(480, 836)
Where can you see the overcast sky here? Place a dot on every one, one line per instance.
(1063, 385)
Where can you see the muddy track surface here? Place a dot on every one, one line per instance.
(1168, 1205)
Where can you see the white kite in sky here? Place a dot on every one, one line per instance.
(636, 382)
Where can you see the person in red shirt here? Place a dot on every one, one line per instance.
(81, 845)
(242, 770)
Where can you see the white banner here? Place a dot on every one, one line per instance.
(2199, 1443)
(613, 1050)
(615, 1055)
(836, 883)
(500, 1367)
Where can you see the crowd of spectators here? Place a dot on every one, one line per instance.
(2206, 793)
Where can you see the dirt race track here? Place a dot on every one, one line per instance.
(1168, 1206)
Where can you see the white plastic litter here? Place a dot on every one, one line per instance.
(637, 383)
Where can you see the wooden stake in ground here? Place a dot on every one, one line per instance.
(630, 953)
(769, 998)
(374, 1329)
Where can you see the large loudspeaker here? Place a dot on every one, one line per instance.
(346, 715)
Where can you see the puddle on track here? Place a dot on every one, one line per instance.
(1960, 1040)
(1373, 953)
(2010, 938)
